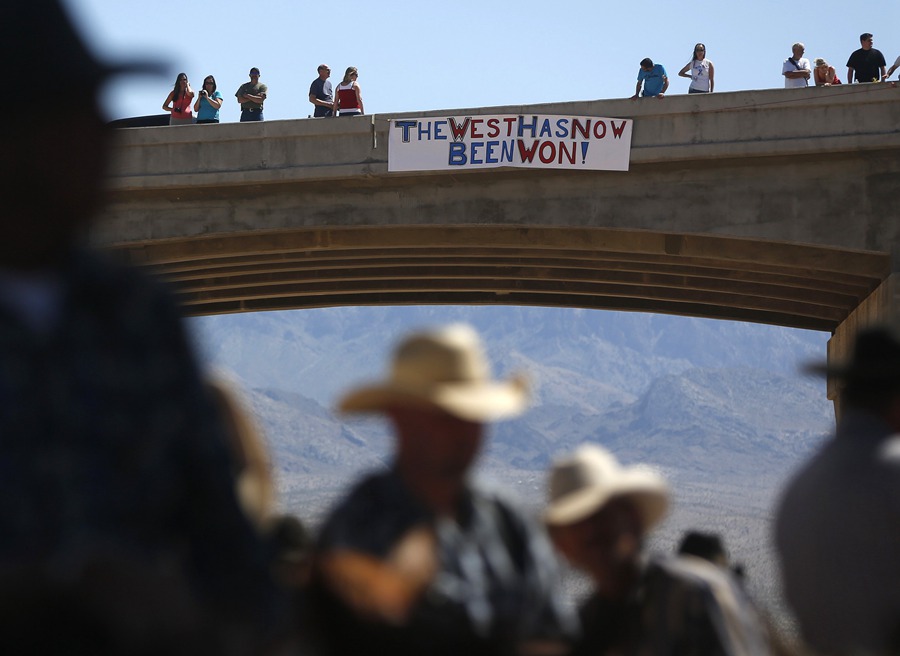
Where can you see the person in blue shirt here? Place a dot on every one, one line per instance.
(209, 102)
(653, 77)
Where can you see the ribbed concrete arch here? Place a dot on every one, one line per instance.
(727, 278)
(778, 206)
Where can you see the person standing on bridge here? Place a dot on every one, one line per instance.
(796, 69)
(654, 79)
(417, 559)
(209, 101)
(178, 102)
(867, 63)
(838, 528)
(702, 72)
(251, 96)
(348, 99)
(893, 68)
(321, 94)
(824, 73)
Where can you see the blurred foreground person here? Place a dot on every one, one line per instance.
(113, 457)
(838, 528)
(417, 560)
(255, 484)
(113, 605)
(599, 514)
(707, 546)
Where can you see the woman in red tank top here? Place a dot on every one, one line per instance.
(348, 100)
(178, 102)
(824, 73)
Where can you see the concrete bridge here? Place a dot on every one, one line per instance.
(779, 206)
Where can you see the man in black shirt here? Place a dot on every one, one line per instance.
(867, 63)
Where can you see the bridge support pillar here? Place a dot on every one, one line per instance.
(882, 306)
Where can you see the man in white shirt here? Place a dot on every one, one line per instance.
(796, 69)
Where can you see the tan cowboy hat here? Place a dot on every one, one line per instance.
(584, 482)
(446, 368)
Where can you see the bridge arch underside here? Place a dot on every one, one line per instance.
(802, 286)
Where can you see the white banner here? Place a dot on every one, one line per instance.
(535, 141)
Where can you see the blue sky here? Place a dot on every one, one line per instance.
(444, 55)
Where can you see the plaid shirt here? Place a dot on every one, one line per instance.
(497, 582)
(680, 606)
(109, 444)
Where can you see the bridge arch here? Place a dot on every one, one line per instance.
(779, 206)
(728, 278)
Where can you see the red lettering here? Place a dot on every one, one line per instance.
(526, 154)
(493, 127)
(546, 159)
(585, 130)
(565, 151)
(510, 122)
(459, 129)
(476, 135)
(599, 124)
(617, 131)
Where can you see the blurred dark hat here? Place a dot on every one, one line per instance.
(703, 545)
(291, 539)
(39, 40)
(875, 361)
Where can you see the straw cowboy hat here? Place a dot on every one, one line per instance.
(444, 368)
(584, 482)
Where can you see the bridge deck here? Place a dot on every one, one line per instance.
(776, 206)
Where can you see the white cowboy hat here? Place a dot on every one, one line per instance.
(582, 483)
(446, 368)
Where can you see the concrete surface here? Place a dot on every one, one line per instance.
(778, 206)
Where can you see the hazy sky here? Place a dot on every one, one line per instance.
(445, 55)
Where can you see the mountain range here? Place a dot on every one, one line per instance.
(719, 408)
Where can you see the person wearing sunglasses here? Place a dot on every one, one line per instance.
(348, 99)
(321, 94)
(251, 96)
(702, 72)
(178, 102)
(208, 102)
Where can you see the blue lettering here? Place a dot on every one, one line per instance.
(438, 134)
(489, 157)
(562, 126)
(405, 126)
(473, 158)
(508, 148)
(425, 129)
(545, 128)
(532, 126)
(457, 154)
